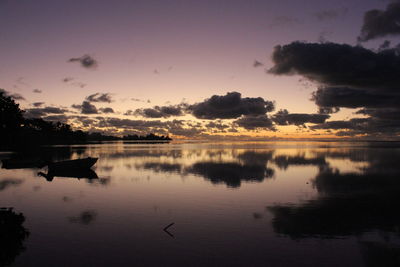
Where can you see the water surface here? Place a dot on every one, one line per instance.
(232, 204)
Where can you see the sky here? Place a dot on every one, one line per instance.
(202, 69)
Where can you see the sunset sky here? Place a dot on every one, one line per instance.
(131, 66)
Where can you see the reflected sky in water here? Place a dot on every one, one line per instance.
(232, 204)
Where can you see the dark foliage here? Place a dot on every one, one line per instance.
(19, 132)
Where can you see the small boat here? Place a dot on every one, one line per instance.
(76, 164)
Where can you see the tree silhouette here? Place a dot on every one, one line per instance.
(12, 235)
(11, 118)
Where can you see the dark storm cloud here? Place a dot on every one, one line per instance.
(371, 126)
(14, 96)
(352, 124)
(86, 108)
(349, 77)
(160, 111)
(37, 91)
(99, 97)
(86, 61)
(386, 114)
(230, 106)
(255, 122)
(106, 110)
(380, 23)
(283, 117)
(329, 14)
(329, 99)
(339, 65)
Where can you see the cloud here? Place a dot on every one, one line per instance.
(129, 112)
(38, 104)
(113, 125)
(283, 117)
(37, 91)
(330, 14)
(217, 125)
(353, 124)
(340, 65)
(329, 99)
(14, 96)
(106, 110)
(348, 77)
(380, 23)
(86, 61)
(99, 97)
(257, 64)
(41, 112)
(56, 118)
(69, 80)
(230, 106)
(86, 108)
(255, 122)
(160, 111)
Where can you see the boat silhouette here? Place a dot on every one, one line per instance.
(78, 168)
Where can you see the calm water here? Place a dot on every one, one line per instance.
(232, 204)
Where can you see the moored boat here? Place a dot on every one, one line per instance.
(76, 164)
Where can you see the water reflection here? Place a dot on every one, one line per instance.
(327, 204)
(349, 203)
(231, 174)
(72, 173)
(86, 217)
(12, 235)
(9, 182)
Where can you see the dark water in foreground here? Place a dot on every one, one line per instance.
(241, 204)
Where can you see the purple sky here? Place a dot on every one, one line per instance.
(165, 51)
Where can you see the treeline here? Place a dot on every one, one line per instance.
(135, 137)
(19, 132)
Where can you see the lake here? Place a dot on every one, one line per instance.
(230, 204)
